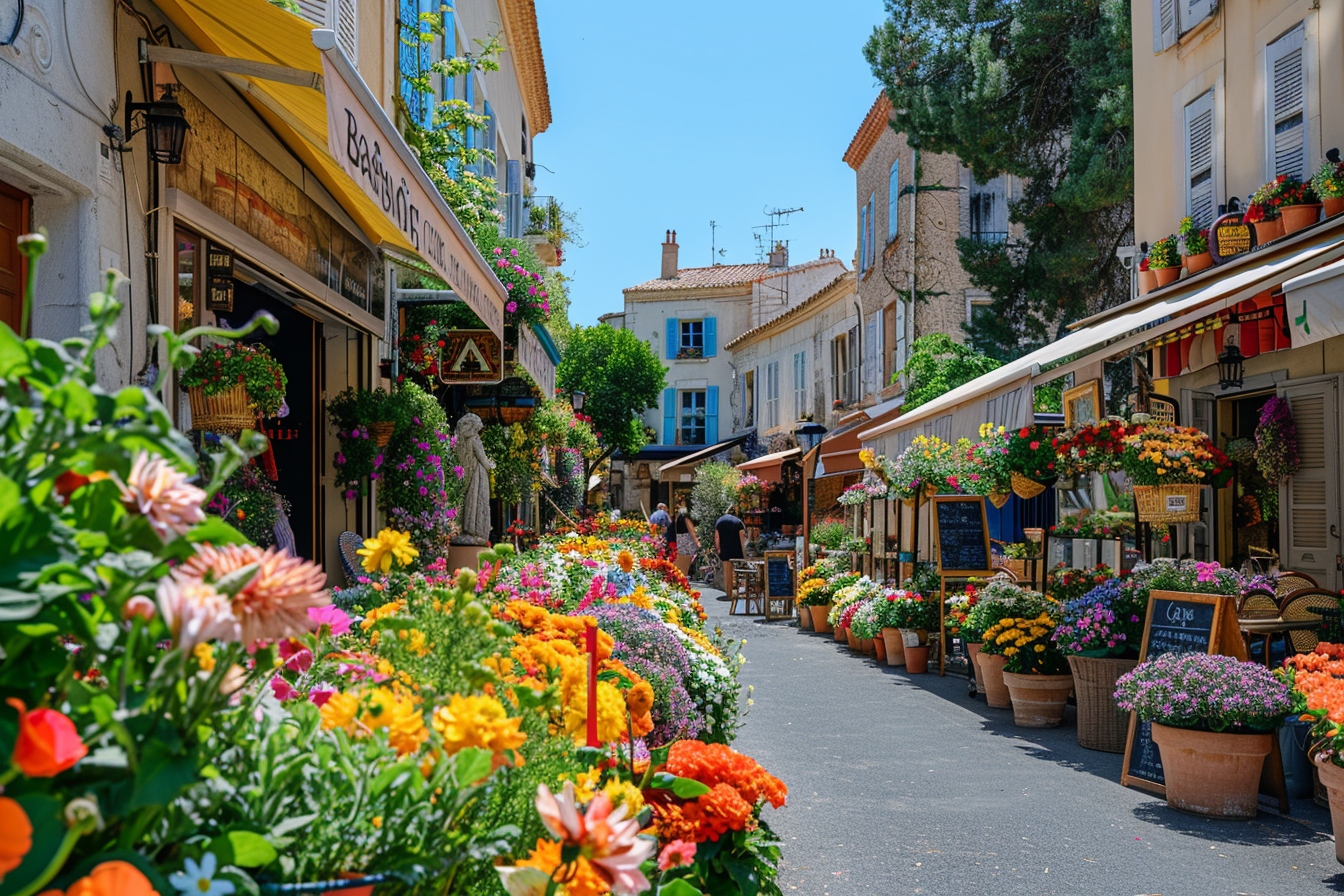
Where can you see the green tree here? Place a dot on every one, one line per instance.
(620, 376)
(937, 364)
(1039, 89)
(714, 491)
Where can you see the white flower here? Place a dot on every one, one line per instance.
(199, 879)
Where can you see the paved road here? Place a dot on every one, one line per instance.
(902, 784)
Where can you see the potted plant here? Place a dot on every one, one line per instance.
(914, 614)
(1099, 633)
(889, 613)
(1280, 207)
(1034, 671)
(1212, 718)
(1328, 183)
(1168, 464)
(1197, 254)
(1093, 448)
(1164, 260)
(230, 385)
(1112, 523)
(1065, 583)
(1300, 207)
(1031, 460)
(1276, 441)
(959, 611)
(995, 601)
(1147, 277)
(863, 623)
(1315, 678)
(988, 460)
(849, 589)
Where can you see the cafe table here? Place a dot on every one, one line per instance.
(1268, 627)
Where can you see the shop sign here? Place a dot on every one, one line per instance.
(471, 356)
(1229, 237)
(218, 278)
(370, 150)
(534, 359)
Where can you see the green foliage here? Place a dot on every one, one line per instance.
(513, 448)
(621, 377)
(714, 491)
(520, 270)
(249, 503)
(352, 412)
(1039, 89)
(219, 368)
(1048, 398)
(419, 489)
(936, 365)
(829, 534)
(1164, 253)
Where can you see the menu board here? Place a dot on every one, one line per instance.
(779, 574)
(961, 530)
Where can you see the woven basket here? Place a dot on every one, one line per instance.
(382, 432)
(1101, 724)
(1162, 503)
(1025, 488)
(998, 499)
(226, 412)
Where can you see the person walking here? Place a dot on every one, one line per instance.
(688, 543)
(730, 543)
(660, 516)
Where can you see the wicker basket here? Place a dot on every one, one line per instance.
(998, 499)
(1167, 503)
(382, 432)
(1025, 488)
(1101, 724)
(226, 412)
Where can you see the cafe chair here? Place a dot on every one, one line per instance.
(1290, 582)
(1258, 603)
(1308, 604)
(1006, 573)
(352, 564)
(747, 589)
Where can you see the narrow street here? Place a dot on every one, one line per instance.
(901, 784)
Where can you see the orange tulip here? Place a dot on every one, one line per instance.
(115, 878)
(48, 743)
(16, 835)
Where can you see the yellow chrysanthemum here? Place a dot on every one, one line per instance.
(400, 715)
(477, 721)
(389, 545)
(339, 711)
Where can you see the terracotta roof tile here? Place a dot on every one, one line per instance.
(874, 123)
(722, 276)
(826, 292)
(522, 39)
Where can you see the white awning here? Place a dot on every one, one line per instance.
(1315, 305)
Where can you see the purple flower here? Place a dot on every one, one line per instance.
(340, 459)
(511, 307)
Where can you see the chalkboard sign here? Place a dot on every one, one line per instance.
(962, 532)
(1177, 623)
(779, 574)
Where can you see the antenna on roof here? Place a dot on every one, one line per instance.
(779, 217)
(714, 251)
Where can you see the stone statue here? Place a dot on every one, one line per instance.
(474, 518)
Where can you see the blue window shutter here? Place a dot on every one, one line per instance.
(863, 239)
(893, 194)
(669, 416)
(449, 47)
(711, 337)
(673, 339)
(712, 415)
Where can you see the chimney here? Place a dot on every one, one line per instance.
(780, 257)
(670, 256)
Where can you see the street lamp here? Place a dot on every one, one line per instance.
(576, 400)
(809, 434)
(164, 123)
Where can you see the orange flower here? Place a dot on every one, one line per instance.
(626, 561)
(16, 835)
(116, 878)
(274, 603)
(48, 743)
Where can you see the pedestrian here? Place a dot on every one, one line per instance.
(661, 521)
(730, 542)
(688, 543)
(660, 516)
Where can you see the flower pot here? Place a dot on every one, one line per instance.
(1333, 205)
(382, 432)
(1147, 282)
(895, 646)
(866, 647)
(852, 640)
(818, 614)
(1167, 503)
(1332, 776)
(1166, 275)
(880, 648)
(1293, 738)
(1268, 230)
(1101, 724)
(973, 651)
(229, 411)
(841, 634)
(1211, 773)
(1038, 700)
(1201, 262)
(990, 680)
(917, 660)
(1299, 217)
(352, 890)
(805, 619)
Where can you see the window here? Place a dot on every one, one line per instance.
(1172, 18)
(693, 412)
(189, 249)
(845, 366)
(1201, 200)
(772, 395)
(748, 399)
(863, 239)
(1191, 12)
(988, 207)
(1285, 105)
(413, 60)
(691, 343)
(871, 241)
(799, 385)
(342, 16)
(893, 194)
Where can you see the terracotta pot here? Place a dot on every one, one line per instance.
(1038, 700)
(818, 614)
(1201, 262)
(973, 651)
(1101, 724)
(990, 680)
(1268, 230)
(1166, 275)
(1333, 205)
(805, 619)
(917, 660)
(366, 890)
(1147, 282)
(880, 648)
(866, 647)
(1299, 217)
(1211, 773)
(895, 646)
(850, 639)
(1332, 776)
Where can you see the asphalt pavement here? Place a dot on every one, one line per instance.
(903, 784)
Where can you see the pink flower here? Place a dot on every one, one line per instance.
(270, 590)
(677, 854)
(161, 494)
(511, 307)
(297, 657)
(604, 836)
(195, 612)
(282, 689)
(331, 616)
(320, 694)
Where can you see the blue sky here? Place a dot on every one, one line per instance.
(668, 116)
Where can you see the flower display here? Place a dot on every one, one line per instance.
(1173, 455)
(1112, 523)
(1276, 441)
(1317, 681)
(1106, 621)
(1196, 239)
(1027, 644)
(1065, 583)
(1283, 190)
(1000, 599)
(218, 368)
(1031, 453)
(1164, 253)
(1204, 692)
(1094, 447)
(907, 610)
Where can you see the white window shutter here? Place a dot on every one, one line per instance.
(347, 27)
(1201, 199)
(1164, 24)
(315, 11)
(1192, 12)
(1309, 501)
(1285, 105)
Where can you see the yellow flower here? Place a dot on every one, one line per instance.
(378, 553)
(477, 721)
(401, 717)
(1039, 648)
(205, 656)
(376, 821)
(339, 711)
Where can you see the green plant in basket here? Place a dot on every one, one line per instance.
(218, 368)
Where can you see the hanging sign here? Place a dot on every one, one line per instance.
(1229, 237)
(218, 278)
(470, 356)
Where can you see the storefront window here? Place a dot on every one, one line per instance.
(188, 252)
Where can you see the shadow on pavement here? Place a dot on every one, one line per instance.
(1266, 829)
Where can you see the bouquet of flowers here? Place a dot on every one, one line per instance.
(1028, 645)
(1065, 583)
(863, 620)
(1317, 680)
(1111, 523)
(1000, 599)
(1106, 621)
(906, 610)
(1276, 441)
(1095, 447)
(1205, 692)
(925, 467)
(1173, 455)
(1032, 453)
(849, 589)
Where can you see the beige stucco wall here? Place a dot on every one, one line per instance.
(1227, 55)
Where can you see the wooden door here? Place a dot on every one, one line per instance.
(15, 210)
(1309, 521)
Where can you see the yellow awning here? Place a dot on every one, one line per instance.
(256, 30)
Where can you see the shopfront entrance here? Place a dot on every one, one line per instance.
(15, 213)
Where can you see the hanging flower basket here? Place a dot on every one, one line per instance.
(227, 411)
(382, 432)
(1167, 503)
(1025, 488)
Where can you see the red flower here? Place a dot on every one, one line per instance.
(48, 743)
(1023, 432)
